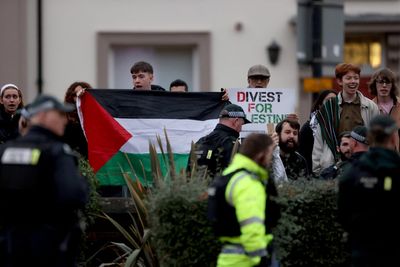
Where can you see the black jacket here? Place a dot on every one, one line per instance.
(221, 141)
(306, 143)
(50, 166)
(8, 126)
(369, 197)
(41, 190)
(155, 87)
(337, 169)
(75, 138)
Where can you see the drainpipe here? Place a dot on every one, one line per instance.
(39, 80)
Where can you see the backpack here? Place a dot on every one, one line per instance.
(209, 154)
(219, 212)
(223, 216)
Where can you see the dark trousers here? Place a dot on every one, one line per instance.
(34, 246)
(377, 257)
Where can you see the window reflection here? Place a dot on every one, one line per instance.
(375, 55)
(363, 53)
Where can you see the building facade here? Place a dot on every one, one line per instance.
(48, 44)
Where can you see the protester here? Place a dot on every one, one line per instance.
(214, 151)
(369, 193)
(238, 205)
(352, 146)
(73, 134)
(383, 86)
(178, 86)
(342, 113)
(358, 146)
(10, 102)
(344, 151)
(308, 130)
(258, 76)
(143, 76)
(40, 192)
(295, 164)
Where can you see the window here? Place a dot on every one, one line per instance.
(188, 53)
(160, 57)
(367, 53)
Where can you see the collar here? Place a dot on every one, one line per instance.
(241, 161)
(39, 130)
(363, 99)
(228, 130)
(356, 101)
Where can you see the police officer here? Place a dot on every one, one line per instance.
(214, 151)
(369, 197)
(40, 192)
(237, 205)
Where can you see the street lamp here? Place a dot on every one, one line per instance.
(273, 51)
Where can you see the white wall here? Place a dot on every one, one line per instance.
(70, 28)
(353, 7)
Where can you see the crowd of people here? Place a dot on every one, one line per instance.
(348, 137)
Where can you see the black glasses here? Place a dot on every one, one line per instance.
(384, 82)
(259, 77)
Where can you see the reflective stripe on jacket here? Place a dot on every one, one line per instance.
(247, 193)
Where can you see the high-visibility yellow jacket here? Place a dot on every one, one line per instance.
(247, 193)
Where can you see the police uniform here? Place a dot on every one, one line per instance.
(247, 243)
(214, 151)
(369, 197)
(40, 192)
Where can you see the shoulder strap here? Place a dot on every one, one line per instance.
(231, 174)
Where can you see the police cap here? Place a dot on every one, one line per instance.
(359, 133)
(233, 111)
(45, 103)
(383, 123)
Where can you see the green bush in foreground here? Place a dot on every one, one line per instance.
(308, 233)
(93, 206)
(181, 232)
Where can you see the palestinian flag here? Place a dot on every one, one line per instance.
(119, 124)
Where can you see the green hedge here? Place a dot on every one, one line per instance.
(307, 233)
(92, 208)
(89, 214)
(182, 234)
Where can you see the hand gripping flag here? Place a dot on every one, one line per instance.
(119, 124)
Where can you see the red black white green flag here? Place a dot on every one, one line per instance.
(119, 124)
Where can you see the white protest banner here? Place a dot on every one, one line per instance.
(263, 106)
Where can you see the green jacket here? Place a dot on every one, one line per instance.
(247, 193)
